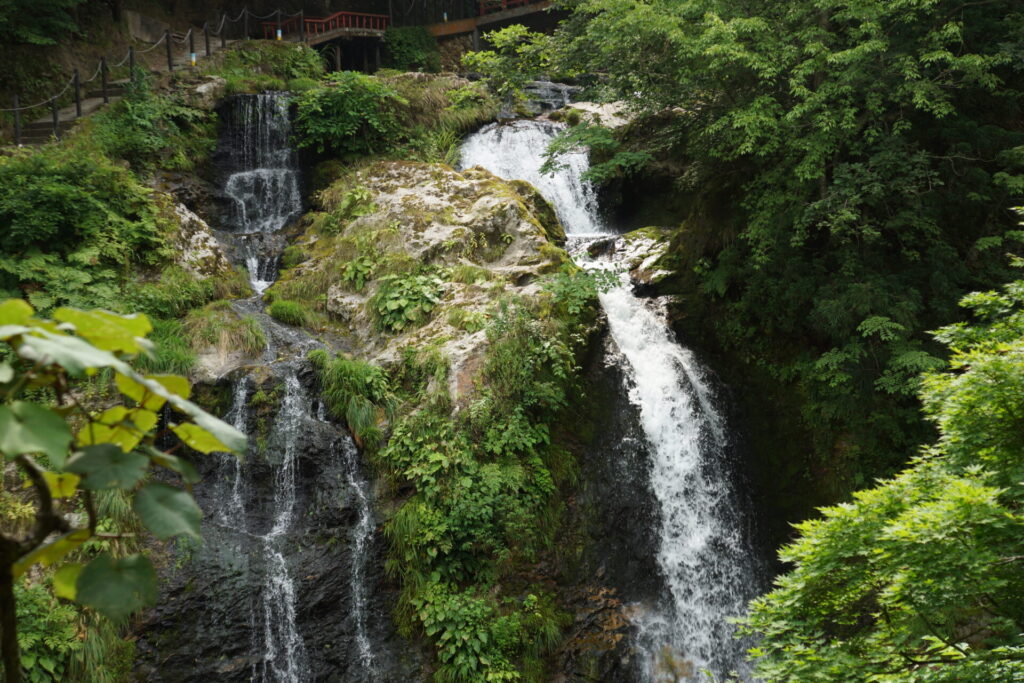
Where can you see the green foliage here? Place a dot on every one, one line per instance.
(112, 449)
(412, 48)
(172, 352)
(358, 392)
(352, 113)
(574, 291)
(918, 579)
(867, 144)
(71, 224)
(254, 66)
(614, 160)
(358, 272)
(217, 325)
(288, 312)
(177, 291)
(405, 300)
(36, 22)
(485, 483)
(519, 56)
(151, 130)
(47, 633)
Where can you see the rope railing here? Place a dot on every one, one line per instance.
(307, 26)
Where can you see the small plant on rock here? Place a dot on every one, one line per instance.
(404, 300)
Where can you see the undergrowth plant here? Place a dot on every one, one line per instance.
(484, 481)
(358, 392)
(405, 300)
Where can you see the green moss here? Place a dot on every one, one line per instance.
(257, 65)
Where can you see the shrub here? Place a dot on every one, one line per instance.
(351, 114)
(403, 300)
(252, 66)
(149, 130)
(412, 48)
(288, 312)
(47, 633)
(71, 223)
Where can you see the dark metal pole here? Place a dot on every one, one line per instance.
(78, 95)
(302, 26)
(206, 37)
(191, 46)
(170, 56)
(103, 80)
(224, 31)
(245, 24)
(279, 35)
(56, 118)
(17, 122)
(131, 63)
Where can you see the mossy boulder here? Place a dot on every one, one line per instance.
(382, 227)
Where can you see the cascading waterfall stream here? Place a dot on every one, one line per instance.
(515, 151)
(265, 185)
(709, 566)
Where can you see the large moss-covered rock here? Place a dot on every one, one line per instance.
(477, 236)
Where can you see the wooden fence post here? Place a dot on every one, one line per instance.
(131, 63)
(56, 118)
(103, 80)
(78, 95)
(245, 24)
(224, 31)
(191, 46)
(17, 122)
(206, 37)
(170, 55)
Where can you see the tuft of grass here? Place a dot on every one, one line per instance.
(288, 312)
(172, 354)
(358, 392)
(217, 325)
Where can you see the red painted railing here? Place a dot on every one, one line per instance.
(338, 20)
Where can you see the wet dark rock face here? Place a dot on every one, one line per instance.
(615, 568)
(203, 628)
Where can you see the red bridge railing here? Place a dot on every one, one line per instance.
(338, 20)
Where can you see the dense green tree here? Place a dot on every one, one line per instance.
(36, 22)
(847, 164)
(919, 578)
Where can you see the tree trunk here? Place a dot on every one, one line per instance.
(8, 623)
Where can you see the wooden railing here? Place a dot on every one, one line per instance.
(308, 26)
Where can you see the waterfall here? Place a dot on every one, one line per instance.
(707, 561)
(515, 151)
(276, 634)
(277, 646)
(264, 185)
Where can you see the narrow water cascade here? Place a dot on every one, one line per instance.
(515, 151)
(704, 552)
(291, 539)
(264, 183)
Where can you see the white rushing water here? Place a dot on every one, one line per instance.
(265, 185)
(709, 568)
(277, 646)
(277, 634)
(515, 151)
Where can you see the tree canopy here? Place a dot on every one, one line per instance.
(920, 577)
